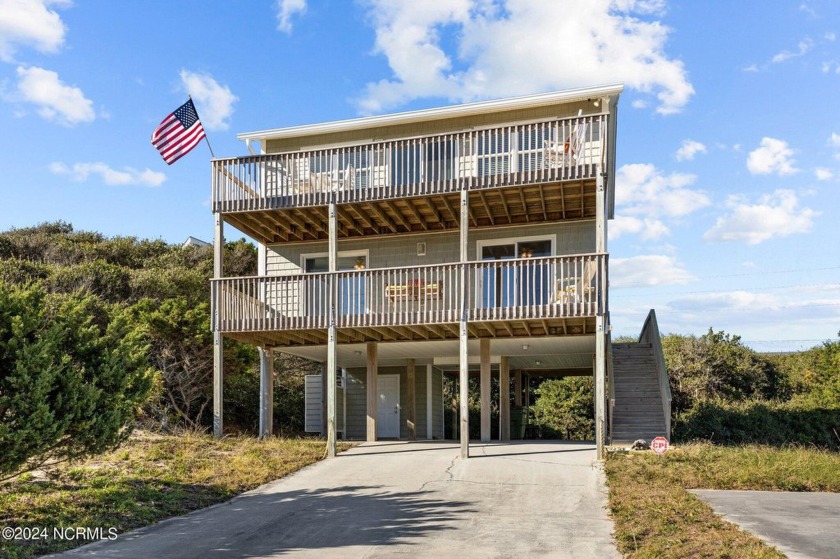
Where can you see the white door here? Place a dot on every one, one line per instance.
(388, 409)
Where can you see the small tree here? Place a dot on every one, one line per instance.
(566, 408)
(71, 378)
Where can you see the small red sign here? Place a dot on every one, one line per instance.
(659, 445)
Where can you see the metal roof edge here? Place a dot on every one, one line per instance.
(437, 113)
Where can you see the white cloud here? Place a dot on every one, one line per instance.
(823, 174)
(127, 176)
(647, 270)
(773, 156)
(774, 215)
(643, 189)
(30, 23)
(649, 228)
(689, 149)
(286, 9)
(214, 102)
(520, 46)
(802, 48)
(834, 142)
(56, 101)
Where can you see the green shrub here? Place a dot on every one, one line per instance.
(70, 385)
(770, 423)
(565, 408)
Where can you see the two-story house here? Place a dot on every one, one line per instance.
(400, 248)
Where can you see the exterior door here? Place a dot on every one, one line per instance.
(388, 409)
(351, 289)
(526, 283)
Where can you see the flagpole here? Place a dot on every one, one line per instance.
(213, 155)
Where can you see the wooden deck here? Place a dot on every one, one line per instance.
(514, 175)
(541, 296)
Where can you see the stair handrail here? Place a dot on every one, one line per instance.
(650, 335)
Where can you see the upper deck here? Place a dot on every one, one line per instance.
(524, 163)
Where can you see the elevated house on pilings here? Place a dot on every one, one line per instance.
(397, 249)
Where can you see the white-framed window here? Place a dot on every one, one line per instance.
(527, 282)
(352, 288)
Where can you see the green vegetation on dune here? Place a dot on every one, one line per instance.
(108, 304)
(149, 478)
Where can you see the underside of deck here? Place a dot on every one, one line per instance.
(500, 329)
(510, 205)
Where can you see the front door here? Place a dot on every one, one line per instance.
(388, 409)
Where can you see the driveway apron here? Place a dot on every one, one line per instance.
(521, 499)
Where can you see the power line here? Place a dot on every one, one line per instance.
(766, 288)
(743, 274)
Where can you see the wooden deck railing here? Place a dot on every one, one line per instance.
(529, 288)
(540, 152)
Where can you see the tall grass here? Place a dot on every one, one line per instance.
(655, 515)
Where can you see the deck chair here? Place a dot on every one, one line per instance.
(577, 289)
(558, 153)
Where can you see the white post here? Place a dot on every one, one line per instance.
(484, 358)
(218, 341)
(411, 404)
(601, 322)
(372, 385)
(266, 392)
(600, 389)
(463, 332)
(429, 434)
(332, 363)
(504, 398)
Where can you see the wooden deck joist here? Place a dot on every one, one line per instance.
(420, 332)
(510, 205)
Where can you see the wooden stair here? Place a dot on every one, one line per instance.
(637, 412)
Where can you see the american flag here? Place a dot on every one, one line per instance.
(178, 133)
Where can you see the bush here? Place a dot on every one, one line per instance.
(716, 366)
(70, 386)
(565, 408)
(770, 423)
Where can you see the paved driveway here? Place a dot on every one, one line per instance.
(395, 498)
(800, 525)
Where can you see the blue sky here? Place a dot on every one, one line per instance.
(729, 132)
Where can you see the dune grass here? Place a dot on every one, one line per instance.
(655, 515)
(149, 478)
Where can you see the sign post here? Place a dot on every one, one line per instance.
(659, 445)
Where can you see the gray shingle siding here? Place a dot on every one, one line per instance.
(576, 237)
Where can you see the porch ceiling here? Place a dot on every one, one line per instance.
(552, 353)
(535, 203)
(551, 328)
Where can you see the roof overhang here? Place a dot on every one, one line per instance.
(439, 113)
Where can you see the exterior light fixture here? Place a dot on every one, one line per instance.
(525, 347)
(360, 263)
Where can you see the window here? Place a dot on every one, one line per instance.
(521, 284)
(352, 288)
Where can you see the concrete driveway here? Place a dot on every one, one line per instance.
(384, 499)
(800, 525)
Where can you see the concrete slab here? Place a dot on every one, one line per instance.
(530, 499)
(800, 525)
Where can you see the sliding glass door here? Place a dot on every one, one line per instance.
(515, 284)
(351, 287)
